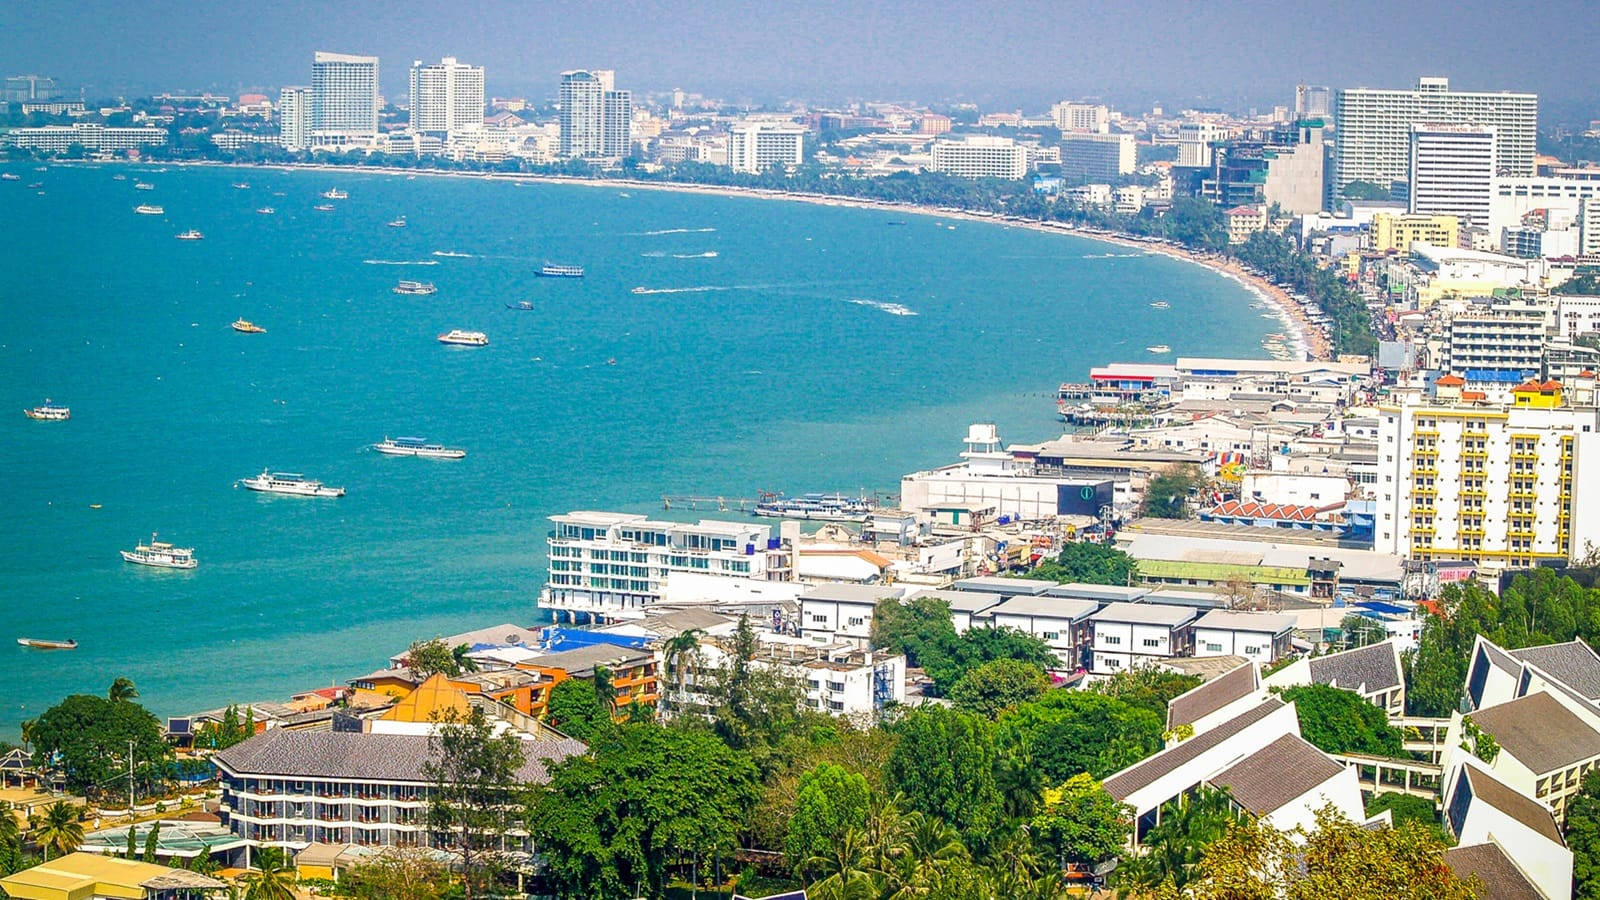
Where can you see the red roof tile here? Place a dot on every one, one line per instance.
(1451, 381)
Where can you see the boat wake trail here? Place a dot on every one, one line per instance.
(455, 254)
(709, 254)
(401, 262)
(673, 231)
(1113, 255)
(689, 290)
(654, 254)
(893, 309)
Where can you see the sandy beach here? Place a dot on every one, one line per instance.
(1298, 332)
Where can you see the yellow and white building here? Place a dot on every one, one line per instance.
(1399, 232)
(1494, 484)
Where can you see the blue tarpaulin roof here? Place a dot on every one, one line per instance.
(554, 637)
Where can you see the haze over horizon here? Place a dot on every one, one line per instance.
(1239, 53)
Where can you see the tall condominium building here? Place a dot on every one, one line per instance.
(1452, 172)
(447, 97)
(1490, 484)
(1501, 343)
(1313, 101)
(607, 566)
(1097, 157)
(753, 146)
(344, 94)
(981, 157)
(1081, 117)
(1373, 142)
(1559, 196)
(1284, 168)
(596, 118)
(616, 138)
(1194, 143)
(294, 118)
(22, 88)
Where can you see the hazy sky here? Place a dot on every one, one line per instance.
(1226, 52)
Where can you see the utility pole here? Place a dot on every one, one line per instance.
(130, 780)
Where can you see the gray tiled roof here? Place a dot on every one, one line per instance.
(1245, 620)
(970, 602)
(1501, 878)
(1376, 666)
(1541, 733)
(996, 584)
(1144, 614)
(1518, 806)
(1205, 699)
(1500, 659)
(1143, 774)
(363, 757)
(1276, 774)
(1045, 605)
(1574, 663)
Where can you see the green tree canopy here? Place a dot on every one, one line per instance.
(476, 796)
(925, 633)
(1583, 838)
(576, 710)
(1166, 496)
(434, 656)
(830, 801)
(1068, 733)
(1340, 721)
(944, 766)
(1088, 562)
(998, 685)
(1146, 687)
(610, 822)
(86, 738)
(1081, 823)
(1364, 190)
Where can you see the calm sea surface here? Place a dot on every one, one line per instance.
(763, 358)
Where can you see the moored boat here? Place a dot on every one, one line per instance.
(10, 176)
(522, 305)
(143, 186)
(415, 446)
(553, 270)
(1159, 348)
(146, 209)
(266, 210)
(290, 483)
(192, 234)
(415, 288)
(335, 194)
(1161, 304)
(241, 185)
(247, 327)
(464, 338)
(43, 644)
(161, 555)
(48, 412)
(397, 223)
(323, 207)
(824, 507)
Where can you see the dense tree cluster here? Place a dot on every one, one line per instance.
(924, 632)
(1088, 562)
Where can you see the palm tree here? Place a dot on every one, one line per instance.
(931, 846)
(674, 652)
(604, 688)
(1173, 848)
(464, 663)
(273, 879)
(844, 872)
(121, 690)
(60, 831)
(884, 828)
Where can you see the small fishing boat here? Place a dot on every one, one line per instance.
(146, 209)
(245, 326)
(49, 412)
(266, 210)
(397, 223)
(10, 176)
(161, 555)
(192, 234)
(461, 338)
(1161, 304)
(241, 185)
(335, 194)
(415, 288)
(42, 644)
(1159, 348)
(323, 207)
(522, 305)
(143, 186)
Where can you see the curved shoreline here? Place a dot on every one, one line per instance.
(1297, 328)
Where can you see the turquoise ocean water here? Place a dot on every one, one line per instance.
(756, 371)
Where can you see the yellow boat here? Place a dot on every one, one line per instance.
(248, 327)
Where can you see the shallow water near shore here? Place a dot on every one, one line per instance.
(789, 360)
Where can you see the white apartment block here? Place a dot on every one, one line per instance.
(1501, 339)
(1088, 118)
(344, 94)
(842, 613)
(1452, 172)
(294, 118)
(446, 97)
(616, 133)
(1257, 636)
(1127, 635)
(981, 157)
(91, 136)
(1098, 157)
(1491, 484)
(753, 146)
(1195, 140)
(1061, 622)
(582, 98)
(1562, 198)
(1372, 142)
(607, 566)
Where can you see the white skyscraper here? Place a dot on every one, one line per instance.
(1194, 143)
(447, 97)
(753, 146)
(1081, 117)
(344, 94)
(294, 118)
(1452, 171)
(1372, 143)
(596, 118)
(981, 156)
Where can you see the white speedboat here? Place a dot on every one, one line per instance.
(46, 644)
(143, 186)
(464, 338)
(266, 210)
(146, 209)
(161, 555)
(10, 176)
(415, 446)
(1159, 348)
(323, 207)
(290, 483)
(335, 194)
(397, 223)
(48, 412)
(192, 234)
(1161, 304)
(241, 185)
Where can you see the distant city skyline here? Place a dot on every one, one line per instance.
(1240, 54)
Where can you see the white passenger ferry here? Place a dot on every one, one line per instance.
(415, 446)
(192, 234)
(335, 194)
(415, 288)
(290, 483)
(161, 555)
(146, 209)
(464, 338)
(48, 412)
